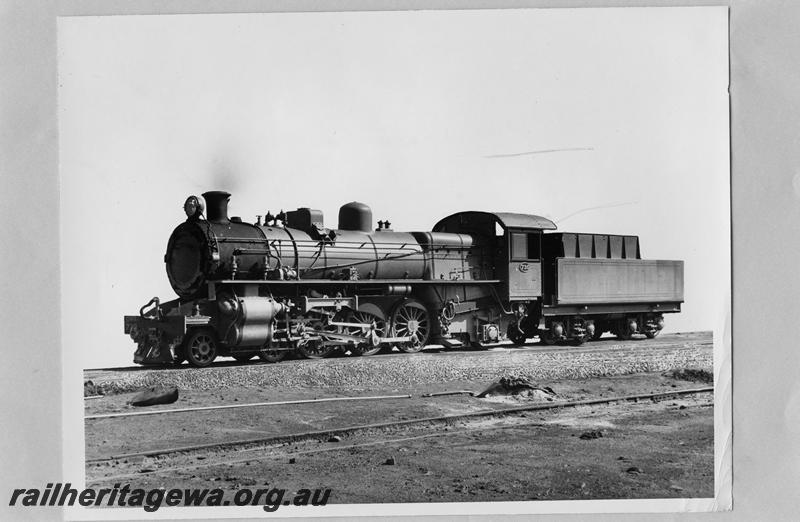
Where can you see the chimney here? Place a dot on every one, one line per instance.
(217, 206)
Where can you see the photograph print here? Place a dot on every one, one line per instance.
(407, 262)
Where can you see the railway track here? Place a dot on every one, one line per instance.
(181, 458)
(230, 406)
(606, 344)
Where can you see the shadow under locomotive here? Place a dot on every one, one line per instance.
(290, 285)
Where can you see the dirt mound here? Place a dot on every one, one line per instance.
(518, 386)
(91, 389)
(691, 374)
(155, 395)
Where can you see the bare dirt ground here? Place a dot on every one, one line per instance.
(629, 450)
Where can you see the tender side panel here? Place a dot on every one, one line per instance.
(584, 281)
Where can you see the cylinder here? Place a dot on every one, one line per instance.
(255, 328)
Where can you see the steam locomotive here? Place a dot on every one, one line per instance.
(290, 284)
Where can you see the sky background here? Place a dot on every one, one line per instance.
(418, 114)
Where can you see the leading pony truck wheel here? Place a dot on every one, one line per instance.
(515, 334)
(200, 347)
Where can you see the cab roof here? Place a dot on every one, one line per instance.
(478, 221)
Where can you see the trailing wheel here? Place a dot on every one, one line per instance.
(552, 335)
(360, 316)
(200, 347)
(515, 334)
(411, 319)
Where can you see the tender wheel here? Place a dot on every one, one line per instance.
(624, 335)
(271, 356)
(411, 319)
(359, 316)
(515, 335)
(653, 326)
(577, 341)
(626, 329)
(650, 334)
(200, 348)
(589, 331)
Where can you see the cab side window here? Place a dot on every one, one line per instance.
(534, 251)
(525, 246)
(519, 246)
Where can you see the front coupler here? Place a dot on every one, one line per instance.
(158, 331)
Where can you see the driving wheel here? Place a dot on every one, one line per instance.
(411, 319)
(359, 316)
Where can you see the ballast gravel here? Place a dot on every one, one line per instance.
(404, 370)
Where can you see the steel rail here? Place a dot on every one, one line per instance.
(606, 344)
(248, 405)
(453, 392)
(443, 419)
(207, 464)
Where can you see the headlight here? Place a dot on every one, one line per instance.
(193, 207)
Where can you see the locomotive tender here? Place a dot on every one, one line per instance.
(292, 285)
